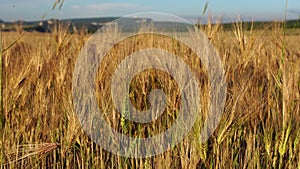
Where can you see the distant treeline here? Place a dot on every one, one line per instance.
(91, 25)
(291, 24)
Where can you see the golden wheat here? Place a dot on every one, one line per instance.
(259, 127)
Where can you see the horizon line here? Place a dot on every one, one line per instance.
(189, 18)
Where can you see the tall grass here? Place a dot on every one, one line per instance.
(41, 130)
(1, 102)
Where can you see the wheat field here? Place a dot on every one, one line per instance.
(259, 127)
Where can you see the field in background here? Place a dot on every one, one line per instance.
(259, 128)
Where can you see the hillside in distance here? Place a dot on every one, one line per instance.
(91, 25)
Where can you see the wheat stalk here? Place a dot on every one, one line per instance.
(29, 150)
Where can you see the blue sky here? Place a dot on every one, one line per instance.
(11, 10)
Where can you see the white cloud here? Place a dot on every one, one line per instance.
(111, 6)
(294, 11)
(75, 6)
(103, 9)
